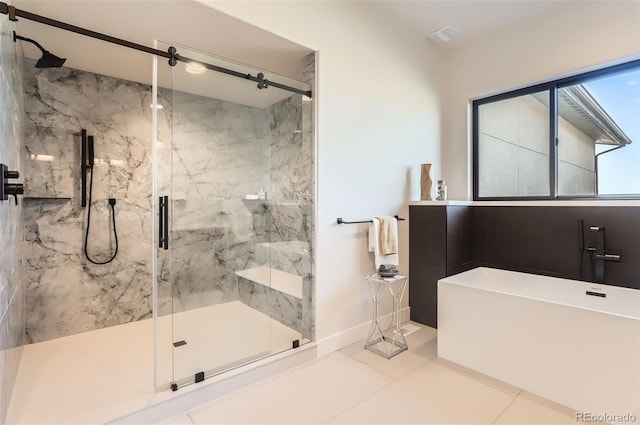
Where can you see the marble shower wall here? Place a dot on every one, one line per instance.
(231, 152)
(11, 223)
(219, 152)
(65, 294)
(309, 194)
(285, 242)
(289, 211)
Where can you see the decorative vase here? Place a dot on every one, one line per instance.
(425, 182)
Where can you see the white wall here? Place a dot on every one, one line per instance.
(387, 102)
(578, 36)
(378, 118)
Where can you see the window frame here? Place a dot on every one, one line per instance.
(552, 87)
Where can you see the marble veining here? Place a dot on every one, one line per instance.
(232, 151)
(215, 153)
(11, 223)
(282, 307)
(308, 136)
(65, 294)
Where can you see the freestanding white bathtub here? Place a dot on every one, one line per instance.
(547, 336)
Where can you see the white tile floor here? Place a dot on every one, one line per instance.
(355, 386)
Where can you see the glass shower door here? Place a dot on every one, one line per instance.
(214, 178)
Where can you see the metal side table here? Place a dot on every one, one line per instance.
(391, 341)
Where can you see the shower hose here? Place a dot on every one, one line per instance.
(112, 203)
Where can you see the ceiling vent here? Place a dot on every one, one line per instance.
(443, 35)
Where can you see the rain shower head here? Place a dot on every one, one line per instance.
(48, 59)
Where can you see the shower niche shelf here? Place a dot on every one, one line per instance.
(255, 205)
(258, 203)
(48, 198)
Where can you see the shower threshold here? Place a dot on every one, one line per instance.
(108, 375)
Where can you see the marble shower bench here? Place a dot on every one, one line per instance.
(287, 283)
(275, 293)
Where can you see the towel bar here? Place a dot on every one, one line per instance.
(341, 221)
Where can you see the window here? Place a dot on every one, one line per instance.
(572, 138)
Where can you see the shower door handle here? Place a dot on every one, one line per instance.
(163, 225)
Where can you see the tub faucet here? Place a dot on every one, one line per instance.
(599, 254)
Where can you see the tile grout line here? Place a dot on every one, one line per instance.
(471, 374)
(251, 385)
(384, 373)
(366, 364)
(418, 366)
(393, 381)
(488, 384)
(257, 384)
(506, 407)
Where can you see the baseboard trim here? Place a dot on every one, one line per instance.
(352, 335)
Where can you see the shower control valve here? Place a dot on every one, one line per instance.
(9, 189)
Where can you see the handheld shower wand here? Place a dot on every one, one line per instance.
(88, 163)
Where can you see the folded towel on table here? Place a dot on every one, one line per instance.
(374, 243)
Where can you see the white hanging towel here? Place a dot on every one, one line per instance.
(390, 237)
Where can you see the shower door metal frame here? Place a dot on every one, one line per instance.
(171, 53)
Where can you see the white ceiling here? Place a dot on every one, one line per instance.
(189, 23)
(472, 18)
(177, 22)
